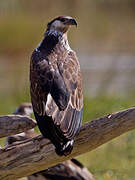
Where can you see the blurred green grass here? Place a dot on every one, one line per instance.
(112, 161)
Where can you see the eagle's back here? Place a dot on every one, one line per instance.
(56, 94)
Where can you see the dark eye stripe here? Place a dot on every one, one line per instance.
(62, 20)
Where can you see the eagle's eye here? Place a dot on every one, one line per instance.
(62, 20)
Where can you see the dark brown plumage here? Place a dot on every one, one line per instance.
(56, 86)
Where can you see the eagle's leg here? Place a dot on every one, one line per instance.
(65, 149)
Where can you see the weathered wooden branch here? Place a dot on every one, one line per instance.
(13, 124)
(38, 153)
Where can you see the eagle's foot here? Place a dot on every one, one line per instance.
(65, 149)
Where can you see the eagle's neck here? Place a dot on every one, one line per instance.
(53, 40)
(64, 42)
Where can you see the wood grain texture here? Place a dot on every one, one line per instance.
(13, 124)
(38, 153)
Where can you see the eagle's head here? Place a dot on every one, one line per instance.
(61, 24)
(24, 109)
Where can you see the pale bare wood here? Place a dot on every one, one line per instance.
(38, 153)
(13, 124)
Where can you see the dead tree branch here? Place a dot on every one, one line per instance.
(13, 124)
(38, 153)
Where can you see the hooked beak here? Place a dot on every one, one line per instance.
(71, 22)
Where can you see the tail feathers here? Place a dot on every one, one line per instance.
(50, 130)
(42, 123)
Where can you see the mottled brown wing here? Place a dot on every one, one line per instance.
(37, 95)
(70, 71)
(44, 80)
(69, 121)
